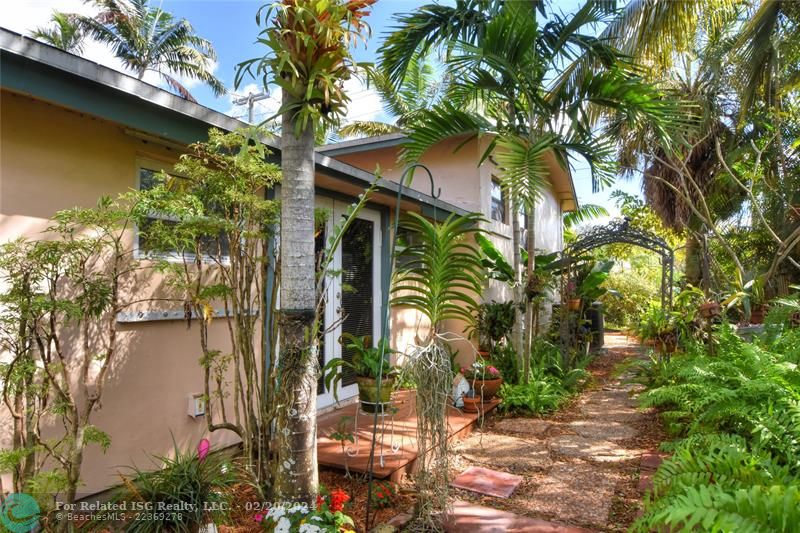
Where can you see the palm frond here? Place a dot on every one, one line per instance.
(523, 171)
(428, 27)
(440, 273)
(64, 33)
(366, 128)
(584, 213)
(438, 123)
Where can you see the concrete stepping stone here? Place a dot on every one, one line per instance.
(488, 482)
(600, 429)
(505, 452)
(480, 519)
(535, 427)
(599, 450)
(579, 493)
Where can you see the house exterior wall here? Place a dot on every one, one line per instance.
(465, 184)
(54, 159)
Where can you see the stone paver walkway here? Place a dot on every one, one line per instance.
(571, 463)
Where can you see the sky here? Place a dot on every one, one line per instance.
(231, 26)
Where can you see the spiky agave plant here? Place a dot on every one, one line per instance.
(439, 275)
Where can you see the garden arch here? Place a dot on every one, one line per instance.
(620, 231)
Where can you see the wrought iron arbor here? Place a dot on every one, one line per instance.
(620, 231)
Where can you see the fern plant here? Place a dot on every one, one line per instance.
(738, 469)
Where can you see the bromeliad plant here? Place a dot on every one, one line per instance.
(439, 275)
(201, 484)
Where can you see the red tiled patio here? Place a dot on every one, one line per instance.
(397, 459)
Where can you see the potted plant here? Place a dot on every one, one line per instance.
(484, 377)
(750, 295)
(366, 364)
(709, 309)
(659, 326)
(585, 286)
(573, 300)
(472, 402)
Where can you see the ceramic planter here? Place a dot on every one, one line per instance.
(368, 392)
(486, 387)
(574, 304)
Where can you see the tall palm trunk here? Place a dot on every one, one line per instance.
(516, 243)
(530, 246)
(297, 465)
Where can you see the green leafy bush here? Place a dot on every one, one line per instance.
(538, 396)
(507, 362)
(550, 384)
(737, 466)
(629, 295)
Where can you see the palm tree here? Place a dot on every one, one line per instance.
(63, 33)
(150, 39)
(733, 60)
(505, 62)
(420, 89)
(309, 57)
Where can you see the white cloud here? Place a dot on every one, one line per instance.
(365, 102)
(26, 15)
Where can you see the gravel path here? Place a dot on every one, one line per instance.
(580, 466)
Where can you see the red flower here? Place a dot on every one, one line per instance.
(258, 517)
(380, 495)
(338, 499)
(320, 502)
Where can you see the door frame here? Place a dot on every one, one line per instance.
(333, 288)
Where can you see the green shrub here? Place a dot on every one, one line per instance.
(538, 397)
(629, 295)
(184, 482)
(507, 362)
(738, 466)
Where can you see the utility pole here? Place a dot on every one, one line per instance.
(250, 100)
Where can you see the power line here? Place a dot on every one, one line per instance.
(250, 100)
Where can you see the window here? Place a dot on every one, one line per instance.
(214, 247)
(498, 206)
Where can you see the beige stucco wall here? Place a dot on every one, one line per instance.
(54, 159)
(465, 184)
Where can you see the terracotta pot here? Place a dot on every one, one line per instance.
(709, 309)
(483, 353)
(368, 392)
(487, 387)
(472, 405)
(574, 304)
(757, 314)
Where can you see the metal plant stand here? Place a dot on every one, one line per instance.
(383, 414)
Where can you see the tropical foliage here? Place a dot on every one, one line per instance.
(208, 238)
(736, 465)
(501, 58)
(63, 32)
(440, 272)
(148, 38)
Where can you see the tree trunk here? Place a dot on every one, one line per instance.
(530, 247)
(518, 295)
(694, 260)
(297, 477)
